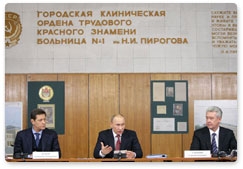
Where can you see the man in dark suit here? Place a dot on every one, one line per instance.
(25, 141)
(126, 139)
(225, 138)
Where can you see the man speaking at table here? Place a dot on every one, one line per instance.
(117, 138)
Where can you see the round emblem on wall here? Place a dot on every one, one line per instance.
(46, 93)
(13, 29)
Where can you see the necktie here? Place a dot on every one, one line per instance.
(214, 146)
(118, 142)
(37, 139)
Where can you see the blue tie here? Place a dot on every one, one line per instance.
(37, 140)
(214, 146)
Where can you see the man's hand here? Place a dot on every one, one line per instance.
(105, 149)
(130, 154)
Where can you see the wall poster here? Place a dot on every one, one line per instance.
(229, 118)
(13, 124)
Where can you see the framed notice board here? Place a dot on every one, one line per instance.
(49, 96)
(169, 106)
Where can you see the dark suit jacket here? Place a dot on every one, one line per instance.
(129, 141)
(201, 140)
(23, 141)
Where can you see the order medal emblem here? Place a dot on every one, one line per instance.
(46, 93)
(13, 29)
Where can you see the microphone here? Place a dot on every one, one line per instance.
(119, 155)
(21, 155)
(233, 153)
(219, 154)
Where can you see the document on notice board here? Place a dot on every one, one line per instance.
(180, 91)
(159, 91)
(164, 124)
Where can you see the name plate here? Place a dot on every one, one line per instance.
(197, 154)
(45, 155)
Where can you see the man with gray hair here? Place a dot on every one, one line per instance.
(213, 136)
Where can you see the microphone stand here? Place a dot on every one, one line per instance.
(233, 153)
(119, 156)
(22, 156)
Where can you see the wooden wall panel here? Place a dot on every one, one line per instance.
(103, 103)
(91, 100)
(165, 76)
(74, 143)
(224, 86)
(199, 88)
(42, 77)
(16, 91)
(170, 144)
(135, 106)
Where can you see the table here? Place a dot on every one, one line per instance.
(171, 159)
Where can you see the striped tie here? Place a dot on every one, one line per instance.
(37, 140)
(214, 146)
